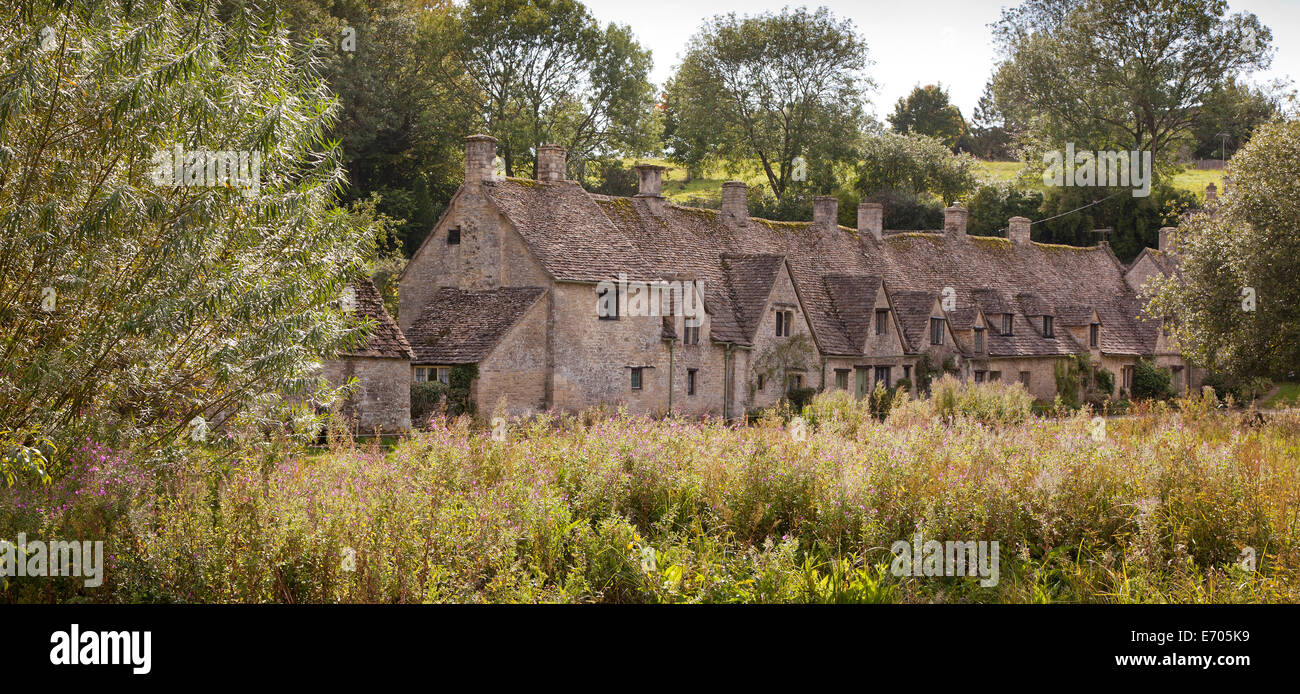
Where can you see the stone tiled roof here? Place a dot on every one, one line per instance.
(1032, 305)
(749, 280)
(1074, 315)
(853, 303)
(387, 340)
(913, 309)
(1027, 339)
(462, 327)
(565, 228)
(581, 237)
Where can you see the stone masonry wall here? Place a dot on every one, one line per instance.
(382, 400)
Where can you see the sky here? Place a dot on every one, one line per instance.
(909, 42)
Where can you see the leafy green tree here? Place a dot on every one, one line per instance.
(914, 164)
(402, 132)
(533, 72)
(927, 111)
(988, 137)
(1230, 115)
(993, 204)
(135, 303)
(771, 88)
(1235, 304)
(1120, 74)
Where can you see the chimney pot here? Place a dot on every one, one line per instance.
(550, 163)
(826, 210)
(1018, 229)
(480, 153)
(735, 207)
(954, 220)
(871, 220)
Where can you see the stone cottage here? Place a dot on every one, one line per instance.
(381, 401)
(513, 276)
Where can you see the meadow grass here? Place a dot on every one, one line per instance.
(1287, 395)
(709, 186)
(612, 507)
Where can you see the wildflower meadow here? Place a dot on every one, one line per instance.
(1179, 502)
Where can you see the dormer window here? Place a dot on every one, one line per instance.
(936, 331)
(979, 338)
(1047, 327)
(453, 236)
(1094, 335)
(882, 321)
(1006, 324)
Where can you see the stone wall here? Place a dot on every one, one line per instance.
(382, 399)
(513, 378)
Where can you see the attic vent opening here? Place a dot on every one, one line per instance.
(453, 236)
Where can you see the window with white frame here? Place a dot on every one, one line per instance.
(441, 374)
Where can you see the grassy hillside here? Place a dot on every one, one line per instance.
(710, 185)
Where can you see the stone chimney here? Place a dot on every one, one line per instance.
(826, 210)
(954, 221)
(651, 177)
(550, 163)
(1166, 242)
(1018, 229)
(480, 152)
(871, 220)
(1211, 194)
(735, 208)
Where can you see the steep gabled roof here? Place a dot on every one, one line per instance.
(462, 327)
(1032, 305)
(853, 303)
(749, 280)
(566, 230)
(914, 309)
(582, 237)
(387, 340)
(1074, 315)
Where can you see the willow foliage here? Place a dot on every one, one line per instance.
(130, 307)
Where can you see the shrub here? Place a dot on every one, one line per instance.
(426, 398)
(1151, 382)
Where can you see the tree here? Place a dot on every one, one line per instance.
(771, 88)
(916, 165)
(138, 305)
(1120, 74)
(988, 136)
(1235, 304)
(534, 72)
(1230, 115)
(927, 111)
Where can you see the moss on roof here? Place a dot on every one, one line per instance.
(935, 240)
(1060, 248)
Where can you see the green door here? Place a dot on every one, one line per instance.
(863, 379)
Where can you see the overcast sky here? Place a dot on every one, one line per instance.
(910, 42)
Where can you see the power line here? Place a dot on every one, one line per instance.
(1095, 202)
